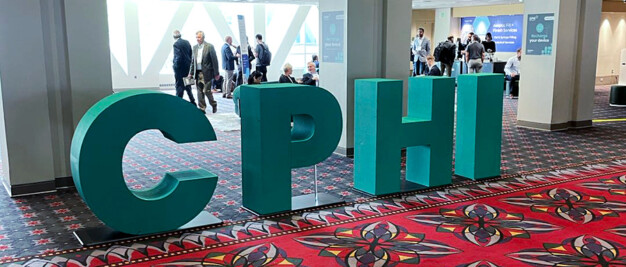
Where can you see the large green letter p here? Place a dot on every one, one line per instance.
(270, 146)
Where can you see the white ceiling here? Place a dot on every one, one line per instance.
(417, 4)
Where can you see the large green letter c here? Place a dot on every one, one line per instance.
(96, 161)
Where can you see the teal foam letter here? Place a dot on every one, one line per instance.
(479, 126)
(269, 145)
(381, 132)
(96, 160)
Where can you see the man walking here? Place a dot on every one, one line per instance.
(205, 67)
(182, 59)
(263, 56)
(475, 55)
(421, 49)
(228, 64)
(447, 55)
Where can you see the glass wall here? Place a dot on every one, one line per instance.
(141, 35)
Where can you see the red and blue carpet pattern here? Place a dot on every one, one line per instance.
(568, 217)
(44, 223)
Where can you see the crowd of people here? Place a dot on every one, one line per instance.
(472, 52)
(199, 64)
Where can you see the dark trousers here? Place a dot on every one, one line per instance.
(262, 69)
(181, 89)
(446, 68)
(514, 84)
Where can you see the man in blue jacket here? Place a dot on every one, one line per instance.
(228, 64)
(182, 59)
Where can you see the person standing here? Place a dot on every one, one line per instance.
(447, 55)
(475, 55)
(512, 71)
(489, 44)
(228, 64)
(421, 49)
(317, 63)
(182, 59)
(205, 68)
(263, 56)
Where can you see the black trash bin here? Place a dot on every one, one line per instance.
(618, 96)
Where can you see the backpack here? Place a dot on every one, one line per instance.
(446, 53)
(266, 57)
(438, 50)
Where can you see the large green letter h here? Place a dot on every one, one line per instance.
(382, 132)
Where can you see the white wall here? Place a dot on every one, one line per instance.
(612, 41)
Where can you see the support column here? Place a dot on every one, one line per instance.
(375, 43)
(49, 77)
(443, 23)
(556, 90)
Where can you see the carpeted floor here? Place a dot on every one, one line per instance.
(562, 219)
(43, 224)
(567, 217)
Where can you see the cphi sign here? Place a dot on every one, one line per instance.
(271, 147)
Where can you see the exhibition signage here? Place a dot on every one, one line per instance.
(96, 162)
(506, 30)
(332, 36)
(382, 132)
(426, 132)
(287, 126)
(271, 147)
(539, 30)
(243, 40)
(478, 126)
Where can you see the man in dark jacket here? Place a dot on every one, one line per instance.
(431, 68)
(259, 52)
(228, 64)
(447, 55)
(205, 67)
(182, 59)
(311, 77)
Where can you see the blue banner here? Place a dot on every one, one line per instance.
(506, 30)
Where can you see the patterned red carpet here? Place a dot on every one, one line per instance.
(569, 217)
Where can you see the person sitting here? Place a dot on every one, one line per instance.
(432, 70)
(216, 86)
(286, 76)
(512, 71)
(254, 78)
(311, 77)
